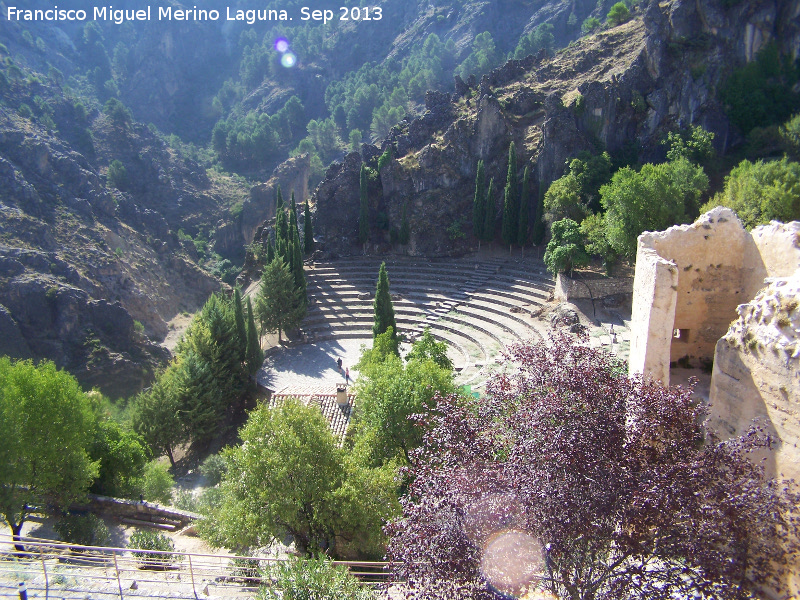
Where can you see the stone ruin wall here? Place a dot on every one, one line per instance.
(690, 279)
(757, 373)
(708, 280)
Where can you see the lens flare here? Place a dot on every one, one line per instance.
(281, 45)
(513, 563)
(288, 60)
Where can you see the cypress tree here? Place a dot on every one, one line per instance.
(479, 203)
(405, 228)
(241, 331)
(511, 201)
(308, 231)
(255, 355)
(490, 215)
(270, 251)
(281, 228)
(293, 216)
(384, 311)
(538, 222)
(363, 213)
(297, 264)
(524, 201)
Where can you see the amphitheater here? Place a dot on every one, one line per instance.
(475, 305)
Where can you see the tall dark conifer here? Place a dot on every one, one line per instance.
(241, 331)
(363, 213)
(524, 208)
(282, 235)
(270, 251)
(511, 200)
(490, 214)
(405, 228)
(293, 216)
(254, 353)
(539, 231)
(384, 311)
(479, 203)
(297, 264)
(308, 231)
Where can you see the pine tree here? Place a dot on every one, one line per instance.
(241, 331)
(308, 231)
(490, 215)
(524, 208)
(384, 311)
(255, 355)
(363, 213)
(279, 305)
(405, 228)
(479, 204)
(511, 200)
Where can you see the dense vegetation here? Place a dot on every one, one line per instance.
(572, 478)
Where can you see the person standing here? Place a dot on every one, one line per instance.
(347, 375)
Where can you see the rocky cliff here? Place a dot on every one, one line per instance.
(619, 90)
(89, 273)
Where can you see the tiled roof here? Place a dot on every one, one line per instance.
(323, 396)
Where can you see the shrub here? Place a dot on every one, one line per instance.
(157, 484)
(618, 14)
(213, 468)
(312, 579)
(117, 175)
(143, 539)
(590, 24)
(86, 530)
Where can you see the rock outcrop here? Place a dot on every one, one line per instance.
(621, 89)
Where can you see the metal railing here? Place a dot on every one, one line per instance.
(62, 571)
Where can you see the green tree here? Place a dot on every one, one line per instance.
(157, 483)
(593, 229)
(117, 175)
(404, 235)
(541, 38)
(241, 329)
(565, 249)
(389, 392)
(479, 203)
(121, 455)
(618, 14)
(490, 215)
(312, 578)
(383, 309)
(289, 476)
(117, 112)
(761, 192)
(694, 144)
(254, 353)
(308, 230)
(524, 209)
(45, 423)
(483, 58)
(589, 25)
(427, 348)
(652, 199)
(279, 304)
(510, 227)
(155, 413)
(363, 211)
(539, 230)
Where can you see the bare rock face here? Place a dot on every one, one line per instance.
(619, 89)
(89, 274)
(757, 373)
(292, 176)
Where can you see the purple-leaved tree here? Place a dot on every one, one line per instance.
(571, 478)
